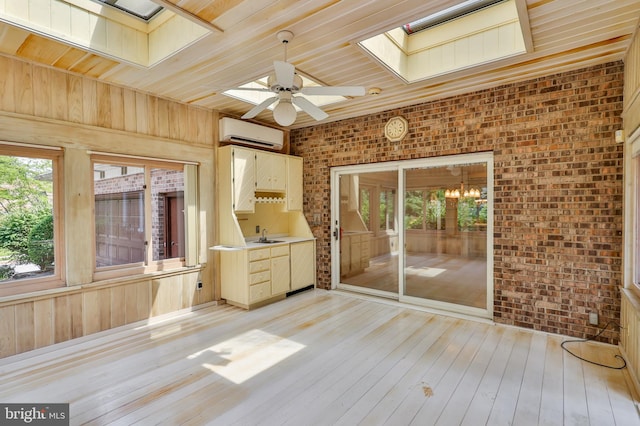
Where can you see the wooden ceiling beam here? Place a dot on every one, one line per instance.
(188, 15)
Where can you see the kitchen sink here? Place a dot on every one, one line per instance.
(270, 241)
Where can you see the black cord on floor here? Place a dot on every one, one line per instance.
(624, 362)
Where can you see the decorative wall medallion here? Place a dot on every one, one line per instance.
(396, 128)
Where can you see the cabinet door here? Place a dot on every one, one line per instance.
(244, 180)
(280, 275)
(271, 172)
(294, 184)
(279, 173)
(303, 264)
(263, 171)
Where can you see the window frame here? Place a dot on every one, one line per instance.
(148, 265)
(635, 202)
(58, 278)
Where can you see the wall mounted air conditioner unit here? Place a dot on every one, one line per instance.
(245, 133)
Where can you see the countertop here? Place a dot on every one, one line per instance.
(253, 243)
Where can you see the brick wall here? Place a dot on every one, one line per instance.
(557, 194)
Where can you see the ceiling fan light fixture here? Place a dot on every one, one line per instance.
(285, 113)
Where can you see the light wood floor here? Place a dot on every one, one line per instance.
(442, 277)
(323, 357)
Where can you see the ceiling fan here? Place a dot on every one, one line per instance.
(286, 84)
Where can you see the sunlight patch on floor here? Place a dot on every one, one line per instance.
(247, 355)
(424, 271)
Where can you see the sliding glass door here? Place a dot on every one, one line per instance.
(418, 231)
(368, 234)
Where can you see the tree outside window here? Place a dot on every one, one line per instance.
(414, 209)
(365, 207)
(425, 209)
(27, 248)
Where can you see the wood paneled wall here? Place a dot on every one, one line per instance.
(44, 106)
(630, 333)
(632, 87)
(39, 321)
(630, 310)
(48, 93)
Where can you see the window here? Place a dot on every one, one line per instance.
(142, 9)
(29, 229)
(387, 212)
(446, 15)
(139, 214)
(425, 209)
(414, 209)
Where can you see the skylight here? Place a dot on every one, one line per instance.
(255, 97)
(446, 15)
(143, 9)
(474, 33)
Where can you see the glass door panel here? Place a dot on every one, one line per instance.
(369, 232)
(445, 234)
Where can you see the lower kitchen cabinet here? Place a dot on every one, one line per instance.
(303, 265)
(280, 274)
(254, 277)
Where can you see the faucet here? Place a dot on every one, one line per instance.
(263, 238)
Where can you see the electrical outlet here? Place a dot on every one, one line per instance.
(199, 285)
(257, 229)
(593, 318)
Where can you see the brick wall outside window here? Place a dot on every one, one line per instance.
(163, 181)
(558, 191)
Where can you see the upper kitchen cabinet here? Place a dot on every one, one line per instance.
(294, 184)
(244, 180)
(258, 190)
(238, 166)
(271, 172)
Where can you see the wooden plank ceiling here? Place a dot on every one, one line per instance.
(241, 46)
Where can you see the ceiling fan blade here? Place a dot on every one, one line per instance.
(309, 108)
(249, 89)
(260, 107)
(284, 73)
(333, 90)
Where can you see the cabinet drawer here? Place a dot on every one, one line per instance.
(259, 277)
(259, 265)
(259, 291)
(258, 254)
(280, 251)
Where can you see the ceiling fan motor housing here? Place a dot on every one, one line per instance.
(272, 82)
